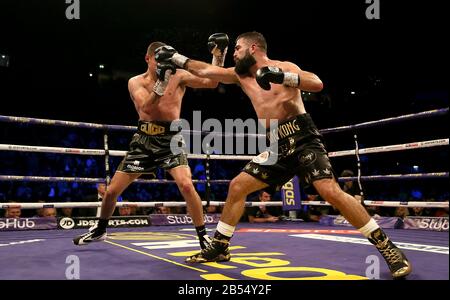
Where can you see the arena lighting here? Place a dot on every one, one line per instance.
(4, 60)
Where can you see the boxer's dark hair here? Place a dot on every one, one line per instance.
(256, 38)
(153, 46)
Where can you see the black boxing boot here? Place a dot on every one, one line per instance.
(96, 233)
(217, 251)
(397, 262)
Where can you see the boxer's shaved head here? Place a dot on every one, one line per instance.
(153, 46)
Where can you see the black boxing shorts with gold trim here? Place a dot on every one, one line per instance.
(299, 151)
(150, 148)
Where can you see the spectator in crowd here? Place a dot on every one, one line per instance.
(39, 211)
(417, 211)
(13, 212)
(441, 212)
(163, 210)
(124, 211)
(212, 209)
(49, 212)
(262, 214)
(313, 213)
(401, 212)
(65, 212)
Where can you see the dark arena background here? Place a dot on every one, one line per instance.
(67, 119)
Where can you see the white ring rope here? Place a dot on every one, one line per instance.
(390, 148)
(79, 151)
(97, 180)
(388, 203)
(37, 205)
(413, 116)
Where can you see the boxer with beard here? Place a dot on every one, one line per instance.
(274, 88)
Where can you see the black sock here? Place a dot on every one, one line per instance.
(102, 224)
(201, 231)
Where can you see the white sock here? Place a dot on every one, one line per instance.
(370, 227)
(225, 229)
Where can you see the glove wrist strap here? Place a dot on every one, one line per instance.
(291, 79)
(219, 60)
(160, 87)
(179, 60)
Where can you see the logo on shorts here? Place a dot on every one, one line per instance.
(136, 163)
(327, 171)
(134, 168)
(262, 158)
(307, 158)
(152, 129)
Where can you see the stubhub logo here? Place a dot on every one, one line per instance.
(17, 224)
(186, 219)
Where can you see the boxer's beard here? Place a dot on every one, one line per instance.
(244, 64)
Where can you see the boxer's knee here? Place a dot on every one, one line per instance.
(237, 189)
(111, 194)
(185, 186)
(331, 192)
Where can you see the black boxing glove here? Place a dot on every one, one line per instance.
(220, 40)
(169, 54)
(218, 46)
(266, 75)
(163, 71)
(163, 67)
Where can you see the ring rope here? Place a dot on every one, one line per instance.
(96, 180)
(424, 114)
(216, 181)
(79, 151)
(37, 205)
(388, 203)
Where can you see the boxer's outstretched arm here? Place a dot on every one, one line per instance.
(290, 75)
(202, 69)
(198, 68)
(197, 82)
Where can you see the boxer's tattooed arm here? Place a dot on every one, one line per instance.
(309, 82)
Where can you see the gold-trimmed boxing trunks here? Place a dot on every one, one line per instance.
(296, 148)
(150, 148)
